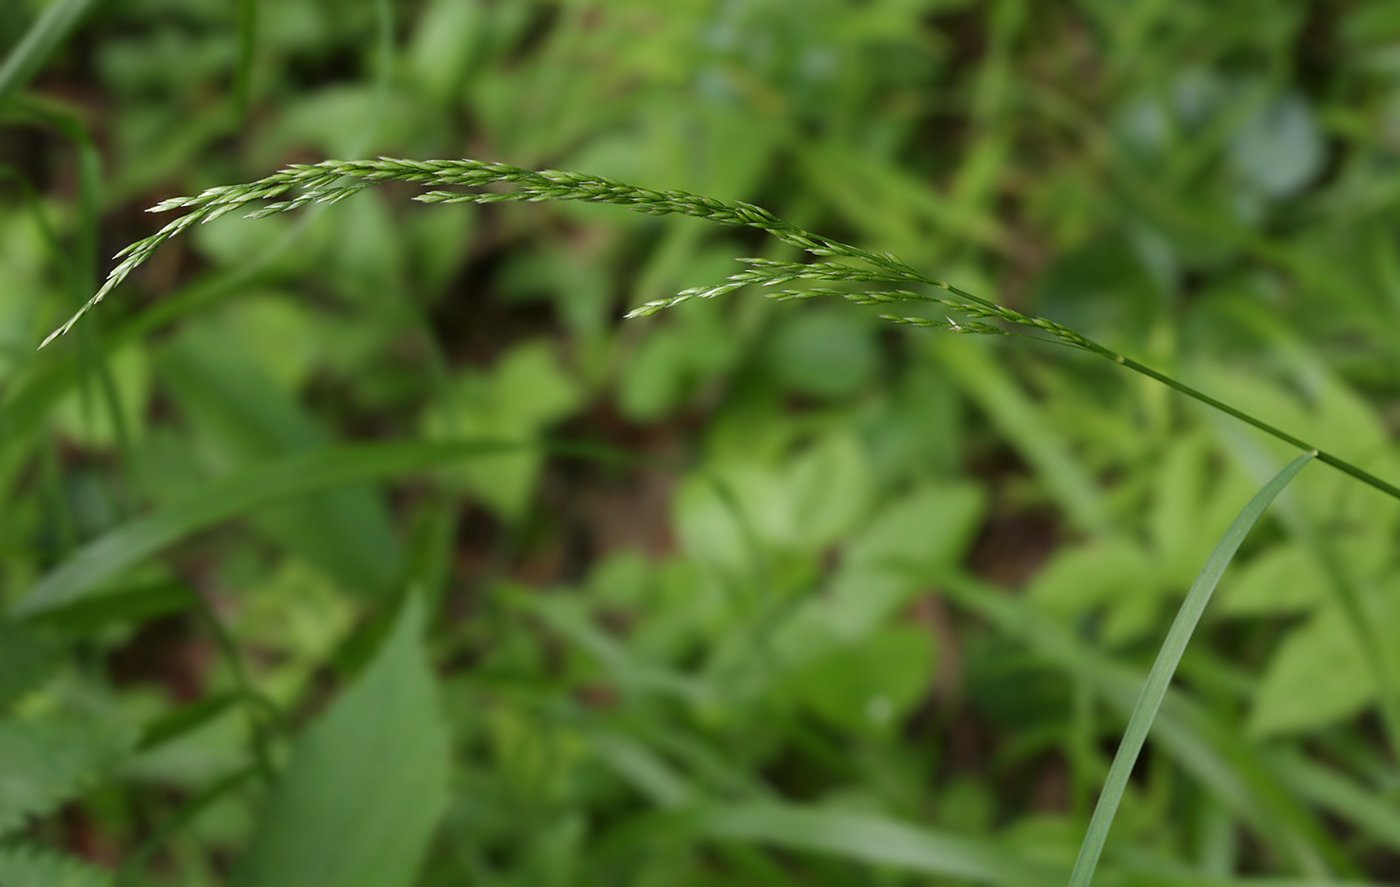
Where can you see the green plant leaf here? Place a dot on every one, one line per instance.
(873, 685)
(1280, 149)
(43, 37)
(248, 418)
(47, 762)
(1318, 675)
(824, 353)
(22, 866)
(1083, 578)
(829, 488)
(922, 532)
(1212, 751)
(1280, 581)
(1154, 691)
(367, 783)
(27, 657)
(524, 393)
(107, 556)
(870, 838)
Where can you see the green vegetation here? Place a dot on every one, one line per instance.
(371, 546)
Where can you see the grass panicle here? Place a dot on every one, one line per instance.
(331, 181)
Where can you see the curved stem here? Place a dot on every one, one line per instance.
(1336, 462)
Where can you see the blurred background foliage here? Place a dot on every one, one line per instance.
(747, 593)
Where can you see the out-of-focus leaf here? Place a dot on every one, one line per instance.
(1283, 580)
(871, 685)
(527, 391)
(824, 353)
(989, 385)
(27, 657)
(921, 532)
(1077, 579)
(871, 838)
(1095, 576)
(44, 763)
(1280, 149)
(1318, 676)
(22, 866)
(135, 603)
(829, 488)
(366, 785)
(86, 416)
(45, 36)
(107, 556)
(247, 417)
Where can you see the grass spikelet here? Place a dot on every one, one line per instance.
(330, 181)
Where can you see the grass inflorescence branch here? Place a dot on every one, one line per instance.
(331, 181)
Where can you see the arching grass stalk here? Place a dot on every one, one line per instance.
(331, 181)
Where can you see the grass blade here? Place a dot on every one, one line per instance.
(44, 36)
(237, 494)
(1212, 751)
(1159, 678)
(247, 45)
(870, 838)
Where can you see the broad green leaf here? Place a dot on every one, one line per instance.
(1280, 581)
(521, 396)
(1317, 676)
(1079, 578)
(724, 517)
(1281, 148)
(44, 763)
(871, 685)
(655, 379)
(361, 797)
(280, 335)
(1154, 691)
(824, 353)
(22, 866)
(829, 488)
(921, 532)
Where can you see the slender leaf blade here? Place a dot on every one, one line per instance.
(1159, 678)
(43, 37)
(305, 472)
(873, 839)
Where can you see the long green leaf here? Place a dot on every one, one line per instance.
(1159, 678)
(25, 60)
(870, 838)
(237, 494)
(1213, 752)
